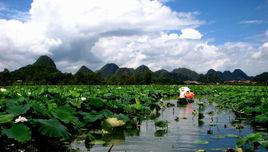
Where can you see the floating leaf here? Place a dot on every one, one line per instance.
(4, 118)
(212, 124)
(75, 103)
(217, 149)
(95, 102)
(74, 93)
(161, 123)
(51, 106)
(262, 119)
(231, 136)
(264, 143)
(250, 138)
(64, 114)
(211, 113)
(105, 113)
(209, 131)
(89, 117)
(160, 133)
(241, 142)
(201, 142)
(39, 108)
(98, 142)
(17, 109)
(220, 136)
(122, 117)
(254, 137)
(200, 115)
(19, 132)
(52, 128)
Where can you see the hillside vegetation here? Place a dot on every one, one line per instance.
(44, 71)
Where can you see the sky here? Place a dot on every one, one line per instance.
(162, 34)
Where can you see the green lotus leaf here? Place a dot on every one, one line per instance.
(264, 143)
(64, 114)
(89, 117)
(262, 119)
(106, 113)
(17, 109)
(161, 123)
(19, 132)
(96, 102)
(52, 128)
(4, 118)
(122, 117)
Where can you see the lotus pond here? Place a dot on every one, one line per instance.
(133, 118)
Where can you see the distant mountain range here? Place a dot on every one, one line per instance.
(108, 70)
(44, 71)
(237, 74)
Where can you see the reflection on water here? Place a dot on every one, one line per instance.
(187, 131)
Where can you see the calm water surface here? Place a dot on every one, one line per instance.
(214, 133)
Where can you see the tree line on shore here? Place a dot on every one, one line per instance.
(45, 72)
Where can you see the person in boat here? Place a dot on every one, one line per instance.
(185, 96)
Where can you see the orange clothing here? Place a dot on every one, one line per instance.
(189, 95)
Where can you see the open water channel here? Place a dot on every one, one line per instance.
(217, 131)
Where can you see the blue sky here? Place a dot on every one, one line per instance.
(14, 9)
(22, 5)
(225, 17)
(196, 34)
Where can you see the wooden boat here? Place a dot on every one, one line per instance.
(186, 96)
(184, 101)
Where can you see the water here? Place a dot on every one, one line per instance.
(214, 133)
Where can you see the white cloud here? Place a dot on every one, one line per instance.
(247, 56)
(99, 16)
(169, 51)
(262, 53)
(67, 30)
(190, 33)
(159, 51)
(126, 32)
(251, 22)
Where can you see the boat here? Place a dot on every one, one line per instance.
(186, 96)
